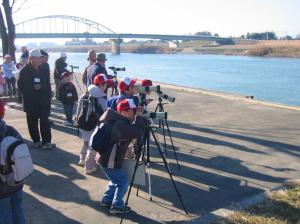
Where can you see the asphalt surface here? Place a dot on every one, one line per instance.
(228, 149)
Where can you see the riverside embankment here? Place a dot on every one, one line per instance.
(228, 148)
(264, 48)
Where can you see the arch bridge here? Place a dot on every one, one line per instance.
(64, 26)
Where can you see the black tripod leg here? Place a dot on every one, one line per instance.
(148, 165)
(112, 91)
(74, 75)
(166, 165)
(168, 129)
(164, 134)
(143, 155)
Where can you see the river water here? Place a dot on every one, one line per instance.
(270, 79)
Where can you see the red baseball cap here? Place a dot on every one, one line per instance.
(100, 79)
(125, 105)
(146, 83)
(125, 83)
(2, 108)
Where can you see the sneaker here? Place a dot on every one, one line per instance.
(123, 210)
(81, 162)
(102, 204)
(48, 146)
(37, 144)
(91, 170)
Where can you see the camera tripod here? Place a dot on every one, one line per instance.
(74, 75)
(143, 148)
(162, 123)
(114, 90)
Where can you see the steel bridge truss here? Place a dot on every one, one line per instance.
(61, 24)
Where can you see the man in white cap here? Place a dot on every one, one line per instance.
(59, 68)
(35, 87)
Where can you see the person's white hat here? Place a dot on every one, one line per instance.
(35, 53)
(63, 55)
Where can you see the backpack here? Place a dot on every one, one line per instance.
(15, 161)
(100, 139)
(89, 114)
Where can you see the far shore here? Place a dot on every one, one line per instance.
(271, 48)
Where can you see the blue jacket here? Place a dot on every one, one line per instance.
(113, 101)
(97, 69)
(7, 72)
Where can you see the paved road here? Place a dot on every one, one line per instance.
(228, 150)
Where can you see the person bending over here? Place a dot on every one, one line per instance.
(127, 123)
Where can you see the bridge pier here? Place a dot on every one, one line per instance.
(174, 44)
(116, 46)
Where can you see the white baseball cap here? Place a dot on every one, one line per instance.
(35, 53)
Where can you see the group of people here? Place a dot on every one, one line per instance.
(122, 111)
(9, 74)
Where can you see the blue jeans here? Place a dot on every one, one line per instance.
(117, 187)
(69, 112)
(11, 86)
(11, 211)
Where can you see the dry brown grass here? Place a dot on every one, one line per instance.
(271, 48)
(276, 48)
(280, 43)
(282, 207)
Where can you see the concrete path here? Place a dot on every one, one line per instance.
(228, 149)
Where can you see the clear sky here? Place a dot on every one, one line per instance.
(225, 17)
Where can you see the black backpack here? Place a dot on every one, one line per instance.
(89, 114)
(100, 139)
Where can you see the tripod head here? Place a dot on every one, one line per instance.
(161, 96)
(73, 67)
(160, 99)
(74, 76)
(116, 70)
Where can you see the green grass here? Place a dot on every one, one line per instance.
(281, 207)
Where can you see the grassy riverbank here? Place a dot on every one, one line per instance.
(281, 207)
(273, 48)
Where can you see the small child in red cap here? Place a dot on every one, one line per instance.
(68, 96)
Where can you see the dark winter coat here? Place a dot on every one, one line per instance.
(97, 69)
(5, 130)
(36, 89)
(121, 134)
(25, 55)
(68, 93)
(60, 67)
(45, 69)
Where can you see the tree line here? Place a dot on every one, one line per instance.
(268, 35)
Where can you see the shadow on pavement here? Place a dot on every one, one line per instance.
(293, 150)
(41, 213)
